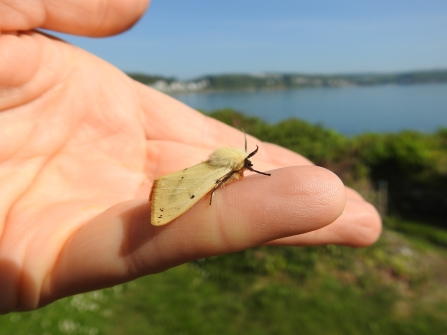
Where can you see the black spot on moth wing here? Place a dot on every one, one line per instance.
(193, 196)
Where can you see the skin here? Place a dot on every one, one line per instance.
(81, 144)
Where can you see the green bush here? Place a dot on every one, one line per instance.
(413, 164)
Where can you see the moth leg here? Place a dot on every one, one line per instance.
(220, 183)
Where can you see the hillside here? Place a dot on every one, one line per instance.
(271, 81)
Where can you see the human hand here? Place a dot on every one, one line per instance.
(81, 145)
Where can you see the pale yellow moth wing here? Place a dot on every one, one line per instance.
(173, 194)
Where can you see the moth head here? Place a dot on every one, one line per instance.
(249, 165)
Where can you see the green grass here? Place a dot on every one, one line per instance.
(393, 287)
(418, 230)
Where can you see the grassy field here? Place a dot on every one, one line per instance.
(396, 286)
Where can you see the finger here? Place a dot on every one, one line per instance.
(173, 156)
(85, 17)
(121, 244)
(359, 226)
(283, 157)
(177, 118)
(352, 194)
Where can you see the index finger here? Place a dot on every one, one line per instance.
(121, 244)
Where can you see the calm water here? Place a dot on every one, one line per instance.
(389, 108)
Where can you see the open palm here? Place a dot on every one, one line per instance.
(81, 144)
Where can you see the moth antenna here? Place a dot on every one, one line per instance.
(245, 136)
(265, 174)
(253, 153)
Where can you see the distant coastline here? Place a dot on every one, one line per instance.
(281, 81)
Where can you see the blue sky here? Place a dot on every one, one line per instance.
(187, 39)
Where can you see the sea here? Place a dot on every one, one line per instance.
(348, 110)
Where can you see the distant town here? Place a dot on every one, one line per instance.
(276, 81)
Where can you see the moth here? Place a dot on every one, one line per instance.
(173, 194)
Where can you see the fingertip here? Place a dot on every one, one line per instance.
(317, 194)
(99, 18)
(359, 225)
(291, 201)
